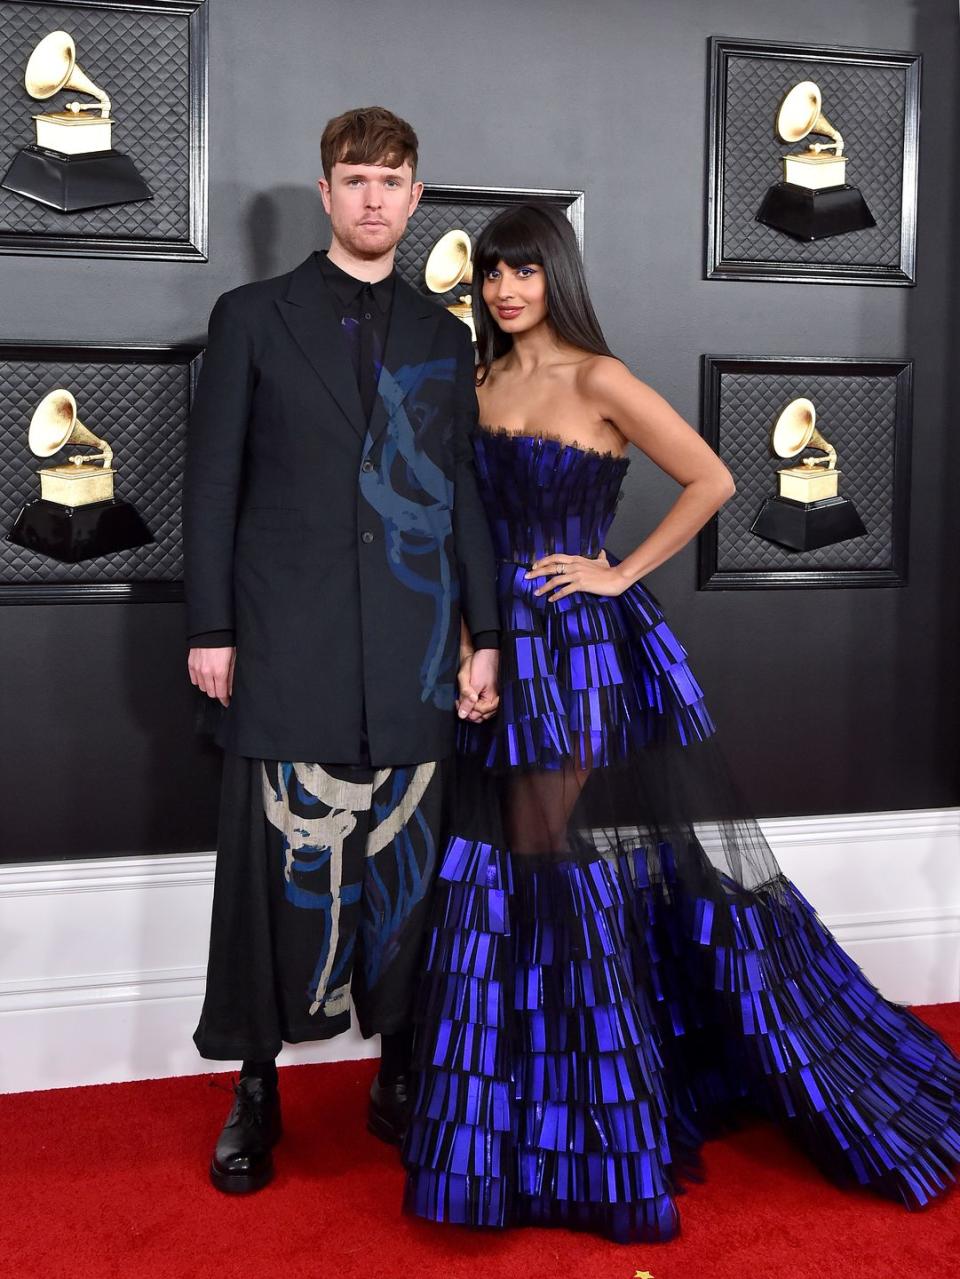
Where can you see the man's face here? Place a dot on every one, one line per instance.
(369, 205)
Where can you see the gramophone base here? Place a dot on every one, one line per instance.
(73, 533)
(69, 183)
(806, 526)
(814, 215)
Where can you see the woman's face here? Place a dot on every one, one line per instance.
(516, 297)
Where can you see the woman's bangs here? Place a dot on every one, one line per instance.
(507, 240)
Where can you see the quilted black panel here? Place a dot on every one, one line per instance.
(435, 216)
(141, 59)
(141, 409)
(865, 104)
(857, 414)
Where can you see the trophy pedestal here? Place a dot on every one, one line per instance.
(70, 534)
(806, 526)
(808, 214)
(69, 183)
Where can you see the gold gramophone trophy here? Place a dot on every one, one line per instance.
(72, 165)
(813, 201)
(76, 515)
(448, 265)
(808, 511)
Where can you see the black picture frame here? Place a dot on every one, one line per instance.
(443, 206)
(735, 251)
(100, 238)
(879, 560)
(70, 585)
(571, 201)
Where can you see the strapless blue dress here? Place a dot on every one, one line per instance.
(615, 962)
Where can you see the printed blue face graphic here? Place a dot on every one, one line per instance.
(359, 855)
(413, 497)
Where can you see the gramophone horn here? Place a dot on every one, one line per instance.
(796, 429)
(800, 114)
(449, 263)
(54, 424)
(53, 66)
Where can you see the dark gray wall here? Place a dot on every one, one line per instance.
(99, 755)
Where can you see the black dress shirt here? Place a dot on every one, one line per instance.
(363, 309)
(364, 313)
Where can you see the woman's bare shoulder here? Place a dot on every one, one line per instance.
(600, 376)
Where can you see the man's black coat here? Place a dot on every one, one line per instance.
(339, 552)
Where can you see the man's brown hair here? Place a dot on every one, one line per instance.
(368, 135)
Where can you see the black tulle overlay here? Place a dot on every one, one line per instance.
(616, 962)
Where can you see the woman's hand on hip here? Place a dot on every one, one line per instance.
(568, 573)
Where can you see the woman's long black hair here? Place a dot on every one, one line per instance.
(535, 235)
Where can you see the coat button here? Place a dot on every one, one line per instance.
(367, 465)
(366, 537)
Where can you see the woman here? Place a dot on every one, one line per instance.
(615, 959)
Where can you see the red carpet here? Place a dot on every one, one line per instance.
(111, 1182)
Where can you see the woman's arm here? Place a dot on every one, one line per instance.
(645, 419)
(648, 421)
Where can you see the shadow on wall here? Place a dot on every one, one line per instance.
(933, 334)
(162, 712)
(283, 225)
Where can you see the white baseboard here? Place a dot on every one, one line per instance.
(102, 961)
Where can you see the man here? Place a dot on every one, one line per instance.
(333, 532)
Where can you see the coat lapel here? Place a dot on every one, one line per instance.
(413, 319)
(309, 314)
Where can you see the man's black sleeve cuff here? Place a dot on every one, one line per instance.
(212, 639)
(486, 639)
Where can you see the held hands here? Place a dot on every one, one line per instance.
(569, 573)
(477, 681)
(211, 670)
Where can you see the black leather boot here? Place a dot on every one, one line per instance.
(242, 1161)
(388, 1111)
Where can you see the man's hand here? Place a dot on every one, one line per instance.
(479, 695)
(466, 693)
(211, 670)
